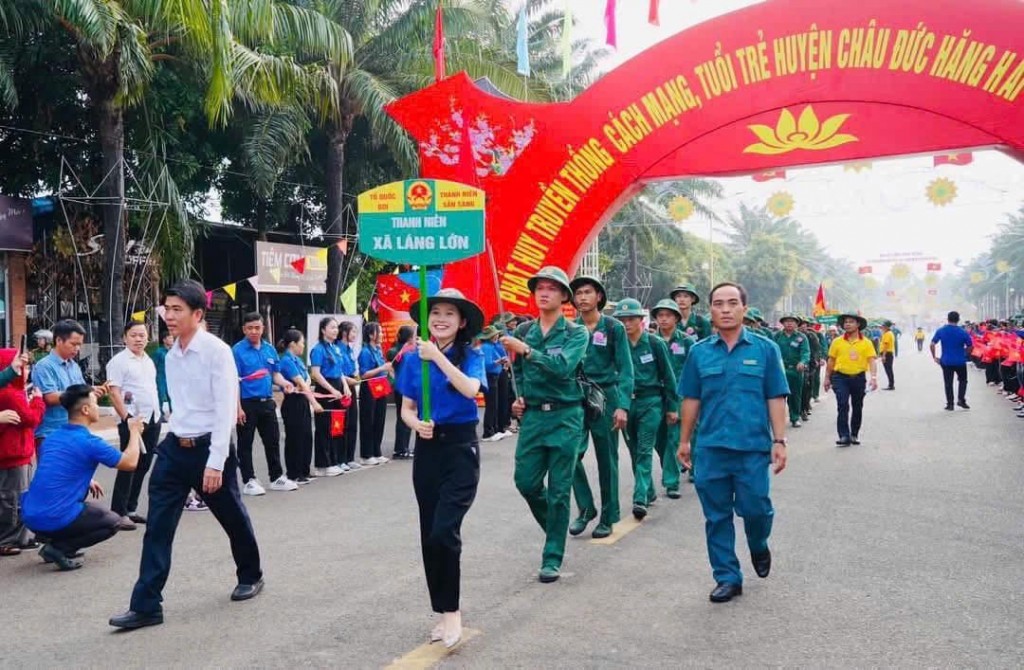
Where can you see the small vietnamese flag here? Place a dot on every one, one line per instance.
(337, 423)
(380, 387)
(769, 175)
(864, 270)
(299, 265)
(934, 267)
(965, 158)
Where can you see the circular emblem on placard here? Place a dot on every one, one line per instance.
(419, 195)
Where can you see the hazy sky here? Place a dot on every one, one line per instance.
(886, 203)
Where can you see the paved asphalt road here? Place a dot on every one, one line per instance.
(903, 552)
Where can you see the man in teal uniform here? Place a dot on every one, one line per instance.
(655, 400)
(812, 374)
(609, 365)
(796, 356)
(735, 382)
(666, 315)
(691, 323)
(550, 408)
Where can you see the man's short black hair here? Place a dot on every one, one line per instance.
(726, 284)
(64, 329)
(954, 317)
(250, 317)
(74, 396)
(189, 292)
(131, 324)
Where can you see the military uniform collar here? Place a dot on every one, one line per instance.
(745, 336)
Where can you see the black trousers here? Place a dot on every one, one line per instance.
(491, 406)
(327, 450)
(298, 435)
(920, 345)
(961, 378)
(348, 441)
(445, 474)
(373, 413)
(92, 526)
(179, 470)
(261, 415)
(887, 364)
(992, 375)
(505, 401)
(128, 485)
(402, 432)
(849, 390)
(1008, 374)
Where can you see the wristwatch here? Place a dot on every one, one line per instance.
(529, 350)
(781, 440)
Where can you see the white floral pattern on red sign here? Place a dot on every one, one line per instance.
(495, 147)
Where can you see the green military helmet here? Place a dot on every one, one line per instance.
(887, 324)
(629, 307)
(554, 274)
(685, 288)
(668, 304)
(487, 333)
(584, 280)
(753, 314)
(790, 317)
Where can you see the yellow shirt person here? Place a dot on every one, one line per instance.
(851, 356)
(888, 343)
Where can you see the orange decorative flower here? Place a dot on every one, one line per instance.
(680, 208)
(808, 133)
(780, 204)
(941, 192)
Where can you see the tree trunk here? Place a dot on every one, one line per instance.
(337, 227)
(110, 120)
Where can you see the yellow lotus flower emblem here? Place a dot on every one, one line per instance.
(941, 192)
(780, 204)
(680, 208)
(808, 133)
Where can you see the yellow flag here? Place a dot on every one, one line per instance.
(139, 316)
(276, 274)
(348, 299)
(321, 255)
(231, 289)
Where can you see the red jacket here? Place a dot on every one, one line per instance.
(17, 442)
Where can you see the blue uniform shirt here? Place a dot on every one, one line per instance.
(53, 374)
(371, 357)
(447, 405)
(734, 388)
(328, 357)
(954, 342)
(493, 352)
(250, 359)
(292, 367)
(69, 459)
(348, 360)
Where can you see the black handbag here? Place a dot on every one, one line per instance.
(594, 399)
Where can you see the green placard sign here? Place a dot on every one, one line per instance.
(422, 222)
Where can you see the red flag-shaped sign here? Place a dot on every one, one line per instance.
(439, 44)
(380, 387)
(965, 158)
(864, 270)
(820, 308)
(934, 267)
(337, 423)
(769, 175)
(653, 15)
(299, 265)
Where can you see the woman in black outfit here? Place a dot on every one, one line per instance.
(395, 357)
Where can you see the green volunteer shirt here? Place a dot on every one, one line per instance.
(652, 372)
(608, 362)
(815, 343)
(795, 348)
(548, 375)
(678, 344)
(697, 326)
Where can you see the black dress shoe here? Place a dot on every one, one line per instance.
(673, 494)
(854, 439)
(949, 408)
(137, 518)
(639, 512)
(246, 591)
(843, 442)
(762, 563)
(725, 592)
(131, 620)
(962, 404)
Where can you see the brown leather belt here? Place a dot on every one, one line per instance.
(191, 442)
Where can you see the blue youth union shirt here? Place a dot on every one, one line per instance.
(53, 374)
(733, 388)
(954, 341)
(69, 459)
(328, 357)
(447, 405)
(348, 360)
(250, 359)
(371, 357)
(292, 367)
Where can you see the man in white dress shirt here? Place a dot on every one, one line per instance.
(196, 453)
(131, 378)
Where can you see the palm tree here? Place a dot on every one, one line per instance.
(232, 42)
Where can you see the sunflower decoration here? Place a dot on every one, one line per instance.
(870, 283)
(780, 204)
(941, 191)
(900, 271)
(931, 279)
(680, 208)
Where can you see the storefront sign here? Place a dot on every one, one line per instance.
(276, 267)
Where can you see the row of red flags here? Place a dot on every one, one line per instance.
(869, 269)
(963, 158)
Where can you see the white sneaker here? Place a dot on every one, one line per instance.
(344, 468)
(284, 484)
(381, 460)
(371, 461)
(352, 465)
(253, 488)
(334, 471)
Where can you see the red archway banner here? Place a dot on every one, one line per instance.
(781, 84)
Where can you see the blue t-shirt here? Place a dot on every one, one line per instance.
(69, 459)
(53, 374)
(292, 367)
(954, 342)
(348, 360)
(447, 405)
(371, 357)
(734, 388)
(328, 357)
(250, 359)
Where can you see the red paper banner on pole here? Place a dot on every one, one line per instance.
(934, 267)
(864, 270)
(652, 14)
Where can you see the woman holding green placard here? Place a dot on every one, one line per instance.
(446, 464)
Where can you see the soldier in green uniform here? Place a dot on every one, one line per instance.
(752, 320)
(667, 316)
(796, 355)
(812, 375)
(655, 400)
(550, 407)
(609, 365)
(694, 325)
